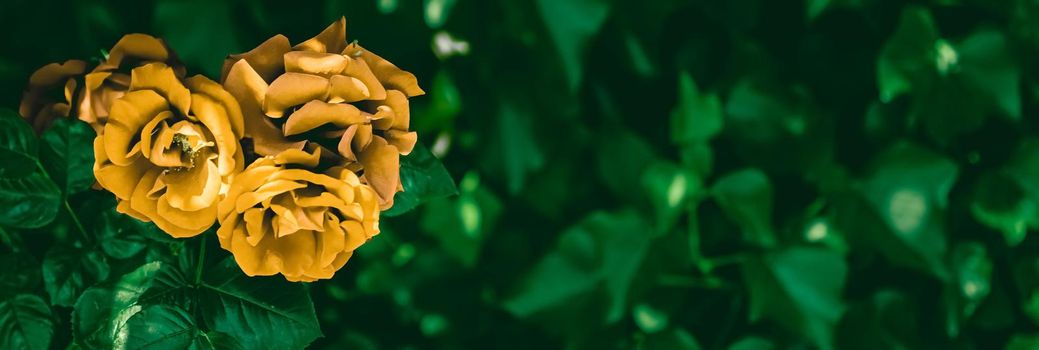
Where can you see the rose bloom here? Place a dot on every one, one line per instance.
(88, 97)
(169, 148)
(283, 216)
(328, 94)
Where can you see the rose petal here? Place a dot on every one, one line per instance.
(129, 114)
(332, 39)
(265, 59)
(318, 113)
(293, 89)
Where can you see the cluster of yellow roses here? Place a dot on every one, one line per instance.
(294, 152)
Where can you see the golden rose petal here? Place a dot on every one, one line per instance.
(190, 223)
(359, 70)
(216, 120)
(148, 132)
(250, 89)
(53, 74)
(330, 40)
(381, 163)
(267, 59)
(347, 89)
(143, 47)
(129, 114)
(319, 63)
(318, 113)
(292, 156)
(390, 76)
(404, 140)
(120, 180)
(193, 189)
(221, 97)
(293, 89)
(160, 78)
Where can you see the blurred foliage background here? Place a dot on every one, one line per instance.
(746, 174)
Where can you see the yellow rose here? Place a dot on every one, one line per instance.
(331, 95)
(169, 148)
(37, 107)
(111, 78)
(89, 97)
(281, 216)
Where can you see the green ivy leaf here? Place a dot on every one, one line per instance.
(25, 323)
(697, 117)
(462, 224)
(69, 154)
(1000, 202)
(674, 339)
(800, 289)
(909, 190)
(572, 24)
(1023, 342)
(604, 248)
(622, 158)
(907, 58)
(971, 284)
(746, 198)
(67, 272)
(424, 178)
(29, 197)
(669, 188)
(752, 343)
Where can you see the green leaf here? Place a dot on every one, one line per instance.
(1000, 202)
(1007, 199)
(746, 198)
(1023, 342)
(674, 339)
(752, 343)
(69, 154)
(885, 320)
(67, 272)
(462, 224)
(800, 289)
(102, 311)
(972, 270)
(909, 189)
(122, 236)
(29, 197)
(18, 147)
(514, 149)
(19, 272)
(572, 24)
(25, 323)
(622, 158)
(250, 312)
(424, 178)
(164, 327)
(602, 249)
(258, 312)
(669, 188)
(907, 59)
(987, 64)
(697, 117)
